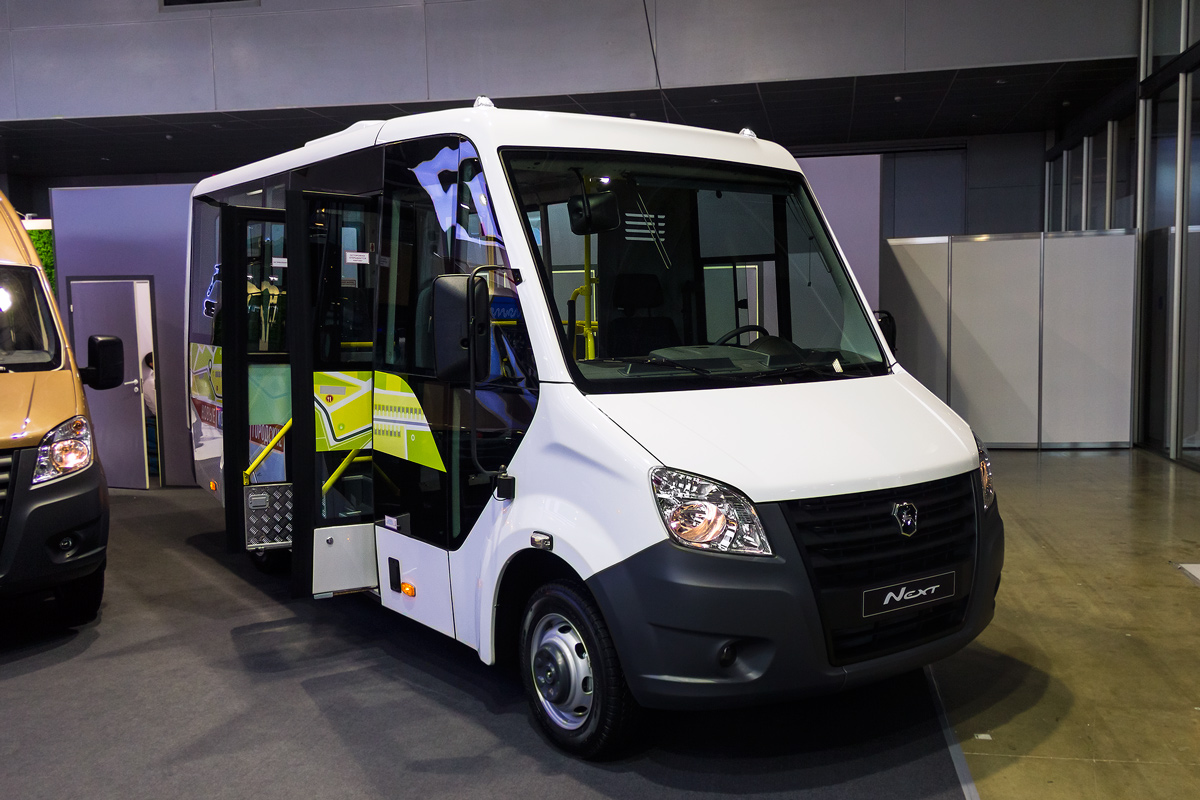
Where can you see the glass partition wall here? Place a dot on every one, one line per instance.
(1168, 418)
(1093, 185)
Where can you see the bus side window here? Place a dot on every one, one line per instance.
(478, 243)
(419, 183)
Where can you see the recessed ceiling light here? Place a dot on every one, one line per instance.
(1001, 81)
(897, 98)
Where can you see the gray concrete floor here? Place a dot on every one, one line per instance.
(204, 679)
(1088, 680)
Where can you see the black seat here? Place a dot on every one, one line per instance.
(633, 335)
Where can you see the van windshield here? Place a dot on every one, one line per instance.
(28, 337)
(670, 273)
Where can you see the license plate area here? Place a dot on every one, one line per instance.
(908, 594)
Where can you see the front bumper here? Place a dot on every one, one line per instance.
(696, 629)
(39, 520)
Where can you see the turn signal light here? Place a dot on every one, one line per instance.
(408, 589)
(212, 486)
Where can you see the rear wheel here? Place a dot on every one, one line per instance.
(78, 601)
(571, 673)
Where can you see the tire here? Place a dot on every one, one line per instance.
(571, 673)
(78, 602)
(277, 561)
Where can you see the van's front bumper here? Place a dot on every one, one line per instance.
(697, 629)
(52, 533)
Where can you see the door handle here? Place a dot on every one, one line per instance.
(135, 383)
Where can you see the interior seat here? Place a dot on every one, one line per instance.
(637, 330)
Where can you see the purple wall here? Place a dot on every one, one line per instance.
(137, 232)
(848, 189)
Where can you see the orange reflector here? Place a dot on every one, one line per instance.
(212, 485)
(408, 589)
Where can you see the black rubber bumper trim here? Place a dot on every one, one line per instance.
(696, 629)
(39, 517)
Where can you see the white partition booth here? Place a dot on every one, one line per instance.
(1028, 336)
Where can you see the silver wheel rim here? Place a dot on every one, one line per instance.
(562, 671)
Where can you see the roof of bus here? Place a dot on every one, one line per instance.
(491, 128)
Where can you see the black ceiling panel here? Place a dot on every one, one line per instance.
(824, 115)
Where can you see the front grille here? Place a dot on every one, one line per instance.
(6, 471)
(851, 543)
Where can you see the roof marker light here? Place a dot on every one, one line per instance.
(748, 132)
(483, 101)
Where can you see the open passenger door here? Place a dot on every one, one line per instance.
(335, 244)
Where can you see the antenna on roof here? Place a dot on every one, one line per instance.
(483, 101)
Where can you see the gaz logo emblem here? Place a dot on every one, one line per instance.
(906, 517)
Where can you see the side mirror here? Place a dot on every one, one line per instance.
(887, 325)
(455, 299)
(106, 363)
(593, 213)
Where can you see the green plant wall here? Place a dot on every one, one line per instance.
(43, 242)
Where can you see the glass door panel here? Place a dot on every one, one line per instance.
(340, 258)
(256, 376)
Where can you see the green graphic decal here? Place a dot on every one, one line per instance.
(205, 372)
(343, 407)
(270, 389)
(270, 407)
(401, 429)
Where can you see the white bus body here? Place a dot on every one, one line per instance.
(642, 513)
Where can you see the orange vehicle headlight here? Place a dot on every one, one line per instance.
(66, 449)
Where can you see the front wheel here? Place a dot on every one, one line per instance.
(571, 674)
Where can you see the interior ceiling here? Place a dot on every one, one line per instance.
(880, 112)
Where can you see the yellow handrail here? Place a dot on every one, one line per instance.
(337, 473)
(257, 462)
(589, 339)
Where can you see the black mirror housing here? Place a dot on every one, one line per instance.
(106, 363)
(887, 326)
(455, 299)
(593, 213)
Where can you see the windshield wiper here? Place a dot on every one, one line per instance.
(658, 361)
(662, 361)
(818, 370)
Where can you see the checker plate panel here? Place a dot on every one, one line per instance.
(268, 508)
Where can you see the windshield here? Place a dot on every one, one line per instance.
(676, 273)
(28, 339)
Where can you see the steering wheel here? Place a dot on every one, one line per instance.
(738, 331)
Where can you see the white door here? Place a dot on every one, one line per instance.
(116, 308)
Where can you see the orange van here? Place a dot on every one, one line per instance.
(53, 495)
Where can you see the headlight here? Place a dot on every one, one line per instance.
(985, 475)
(66, 449)
(706, 515)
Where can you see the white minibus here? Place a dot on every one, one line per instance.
(597, 397)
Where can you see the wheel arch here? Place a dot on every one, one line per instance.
(524, 573)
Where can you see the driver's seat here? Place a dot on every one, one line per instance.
(632, 335)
